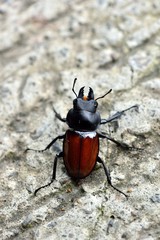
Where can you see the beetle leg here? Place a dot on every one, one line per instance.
(53, 173)
(109, 177)
(119, 144)
(59, 116)
(49, 145)
(116, 115)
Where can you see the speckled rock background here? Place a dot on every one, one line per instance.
(106, 44)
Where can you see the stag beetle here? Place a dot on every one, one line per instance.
(81, 140)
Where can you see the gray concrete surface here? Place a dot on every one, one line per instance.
(44, 45)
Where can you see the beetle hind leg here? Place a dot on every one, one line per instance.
(53, 173)
(109, 177)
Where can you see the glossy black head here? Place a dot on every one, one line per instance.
(86, 103)
(83, 116)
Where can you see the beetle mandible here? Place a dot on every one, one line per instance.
(81, 140)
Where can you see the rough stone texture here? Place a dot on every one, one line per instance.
(105, 44)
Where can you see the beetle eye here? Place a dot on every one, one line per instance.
(95, 104)
(75, 102)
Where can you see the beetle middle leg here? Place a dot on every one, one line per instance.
(109, 177)
(48, 146)
(118, 143)
(53, 173)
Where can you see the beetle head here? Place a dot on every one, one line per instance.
(86, 103)
(83, 116)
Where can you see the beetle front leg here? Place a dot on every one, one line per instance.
(109, 177)
(116, 115)
(48, 146)
(53, 173)
(59, 116)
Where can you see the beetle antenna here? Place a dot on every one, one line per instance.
(74, 82)
(103, 95)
